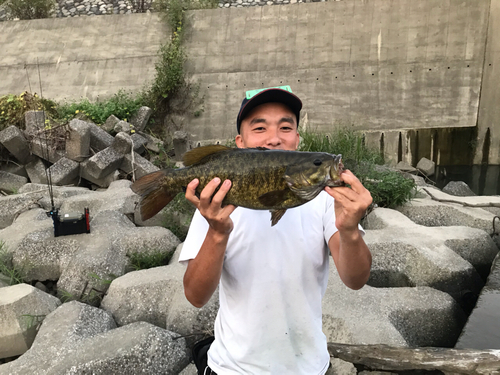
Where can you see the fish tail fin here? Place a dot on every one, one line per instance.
(153, 193)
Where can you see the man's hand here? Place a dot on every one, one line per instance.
(349, 252)
(203, 272)
(211, 208)
(350, 203)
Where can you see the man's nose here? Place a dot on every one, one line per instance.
(274, 138)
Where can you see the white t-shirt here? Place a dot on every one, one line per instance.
(272, 284)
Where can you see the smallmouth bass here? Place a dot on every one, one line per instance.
(262, 179)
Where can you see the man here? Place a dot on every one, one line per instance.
(272, 279)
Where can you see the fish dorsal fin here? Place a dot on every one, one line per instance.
(196, 155)
(276, 215)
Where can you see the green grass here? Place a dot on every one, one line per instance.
(14, 275)
(122, 104)
(388, 188)
(143, 260)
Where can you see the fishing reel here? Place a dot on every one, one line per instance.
(70, 223)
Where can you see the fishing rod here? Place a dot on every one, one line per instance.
(67, 223)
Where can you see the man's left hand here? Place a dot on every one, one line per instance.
(350, 203)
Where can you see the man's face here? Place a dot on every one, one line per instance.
(270, 125)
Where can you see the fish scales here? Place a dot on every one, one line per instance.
(261, 179)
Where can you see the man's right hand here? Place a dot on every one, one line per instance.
(211, 208)
(204, 271)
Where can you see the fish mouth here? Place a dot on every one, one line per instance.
(335, 171)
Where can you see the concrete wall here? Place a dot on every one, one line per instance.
(378, 65)
(403, 71)
(79, 57)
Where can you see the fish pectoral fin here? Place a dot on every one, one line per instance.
(196, 155)
(276, 215)
(274, 198)
(306, 192)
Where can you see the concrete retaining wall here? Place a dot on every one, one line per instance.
(390, 68)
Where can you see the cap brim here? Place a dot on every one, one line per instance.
(273, 95)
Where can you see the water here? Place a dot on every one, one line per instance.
(482, 330)
(482, 179)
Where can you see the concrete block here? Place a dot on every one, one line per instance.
(153, 144)
(141, 118)
(122, 143)
(110, 123)
(78, 143)
(13, 140)
(18, 304)
(139, 143)
(103, 182)
(103, 163)
(39, 148)
(139, 165)
(11, 183)
(36, 171)
(99, 138)
(180, 144)
(426, 166)
(458, 188)
(34, 120)
(64, 172)
(14, 168)
(123, 126)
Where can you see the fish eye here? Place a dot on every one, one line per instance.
(317, 162)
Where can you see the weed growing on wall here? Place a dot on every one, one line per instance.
(151, 259)
(29, 9)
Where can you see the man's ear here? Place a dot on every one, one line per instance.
(239, 141)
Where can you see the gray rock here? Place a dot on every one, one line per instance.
(102, 182)
(22, 308)
(405, 167)
(458, 188)
(118, 197)
(153, 144)
(34, 120)
(139, 143)
(78, 142)
(446, 258)
(11, 183)
(123, 126)
(103, 163)
(181, 145)
(141, 118)
(13, 140)
(137, 166)
(99, 138)
(110, 123)
(36, 171)
(64, 172)
(122, 143)
(39, 148)
(426, 166)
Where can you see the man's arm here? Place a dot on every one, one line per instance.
(203, 272)
(349, 251)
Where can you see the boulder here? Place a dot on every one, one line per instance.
(14, 140)
(78, 142)
(64, 172)
(78, 338)
(141, 118)
(22, 309)
(458, 188)
(36, 171)
(426, 166)
(11, 183)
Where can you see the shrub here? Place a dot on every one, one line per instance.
(388, 188)
(30, 9)
(13, 107)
